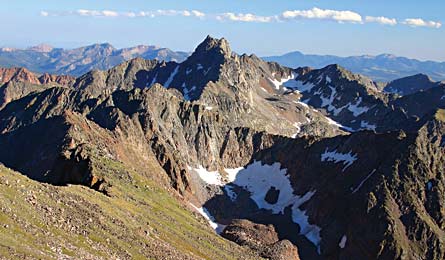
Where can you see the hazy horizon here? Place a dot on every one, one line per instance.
(346, 28)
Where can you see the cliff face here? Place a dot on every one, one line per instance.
(24, 75)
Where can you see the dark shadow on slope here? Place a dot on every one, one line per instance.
(41, 151)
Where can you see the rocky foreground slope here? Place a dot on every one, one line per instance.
(287, 163)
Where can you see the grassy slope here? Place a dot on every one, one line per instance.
(139, 221)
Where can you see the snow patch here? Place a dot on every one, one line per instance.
(230, 193)
(332, 122)
(310, 231)
(366, 125)
(186, 91)
(208, 108)
(363, 181)
(302, 104)
(232, 173)
(258, 179)
(328, 79)
(298, 85)
(297, 125)
(328, 102)
(171, 77)
(206, 214)
(213, 178)
(356, 109)
(199, 66)
(343, 240)
(207, 70)
(336, 157)
(153, 81)
(278, 83)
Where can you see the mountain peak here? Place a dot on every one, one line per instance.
(41, 48)
(18, 74)
(336, 69)
(410, 84)
(211, 44)
(419, 78)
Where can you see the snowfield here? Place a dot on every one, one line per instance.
(258, 178)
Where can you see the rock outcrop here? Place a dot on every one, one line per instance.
(260, 238)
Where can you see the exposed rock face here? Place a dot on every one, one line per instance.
(19, 82)
(218, 127)
(357, 103)
(245, 89)
(18, 74)
(421, 103)
(352, 100)
(260, 238)
(281, 250)
(63, 80)
(245, 232)
(24, 75)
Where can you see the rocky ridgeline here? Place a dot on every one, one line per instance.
(321, 158)
(19, 82)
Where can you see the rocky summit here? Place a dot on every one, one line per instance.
(220, 156)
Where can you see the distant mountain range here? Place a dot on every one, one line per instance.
(75, 62)
(384, 67)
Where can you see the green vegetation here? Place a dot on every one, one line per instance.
(139, 220)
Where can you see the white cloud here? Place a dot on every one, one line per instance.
(314, 13)
(381, 20)
(104, 13)
(323, 14)
(109, 13)
(245, 18)
(418, 22)
(129, 14)
(198, 13)
(186, 13)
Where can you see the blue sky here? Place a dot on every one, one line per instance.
(344, 27)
